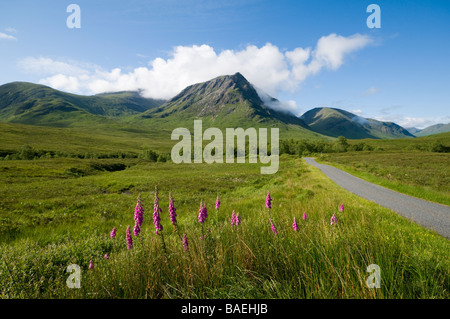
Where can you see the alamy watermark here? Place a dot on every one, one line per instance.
(214, 151)
(374, 280)
(374, 20)
(74, 279)
(74, 19)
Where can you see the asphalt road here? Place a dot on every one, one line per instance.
(427, 214)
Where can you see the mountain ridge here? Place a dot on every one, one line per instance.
(221, 98)
(225, 101)
(336, 122)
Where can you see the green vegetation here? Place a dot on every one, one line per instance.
(337, 122)
(421, 174)
(434, 129)
(29, 103)
(59, 211)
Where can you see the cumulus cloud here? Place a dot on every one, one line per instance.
(267, 67)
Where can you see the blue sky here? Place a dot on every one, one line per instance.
(305, 53)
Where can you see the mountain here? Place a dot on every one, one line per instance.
(225, 101)
(413, 130)
(434, 129)
(28, 103)
(336, 122)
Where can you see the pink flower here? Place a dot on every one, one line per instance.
(294, 225)
(136, 229)
(185, 242)
(113, 233)
(129, 239)
(172, 209)
(333, 219)
(91, 264)
(139, 212)
(274, 230)
(156, 211)
(304, 216)
(202, 213)
(106, 256)
(341, 208)
(217, 203)
(233, 219)
(268, 201)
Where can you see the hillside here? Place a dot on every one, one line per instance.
(434, 129)
(28, 103)
(225, 101)
(336, 122)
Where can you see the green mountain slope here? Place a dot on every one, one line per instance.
(225, 101)
(28, 103)
(335, 122)
(434, 129)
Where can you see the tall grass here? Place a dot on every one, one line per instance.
(245, 261)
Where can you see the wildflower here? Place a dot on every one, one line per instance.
(268, 201)
(294, 225)
(106, 256)
(156, 211)
(341, 208)
(274, 230)
(136, 229)
(217, 203)
(91, 264)
(304, 216)
(202, 213)
(233, 217)
(113, 233)
(237, 219)
(333, 219)
(185, 242)
(129, 239)
(172, 209)
(139, 212)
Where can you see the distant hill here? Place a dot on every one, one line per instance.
(225, 101)
(413, 130)
(434, 129)
(28, 103)
(336, 122)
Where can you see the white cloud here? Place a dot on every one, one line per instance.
(267, 67)
(46, 66)
(371, 91)
(10, 30)
(4, 36)
(418, 122)
(357, 112)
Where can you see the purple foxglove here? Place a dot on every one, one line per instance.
(156, 211)
(217, 203)
(113, 233)
(294, 225)
(268, 201)
(185, 242)
(129, 239)
(274, 229)
(333, 219)
(172, 210)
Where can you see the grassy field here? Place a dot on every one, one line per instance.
(60, 211)
(421, 174)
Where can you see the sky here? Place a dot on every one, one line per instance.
(307, 54)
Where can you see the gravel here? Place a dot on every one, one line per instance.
(427, 214)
